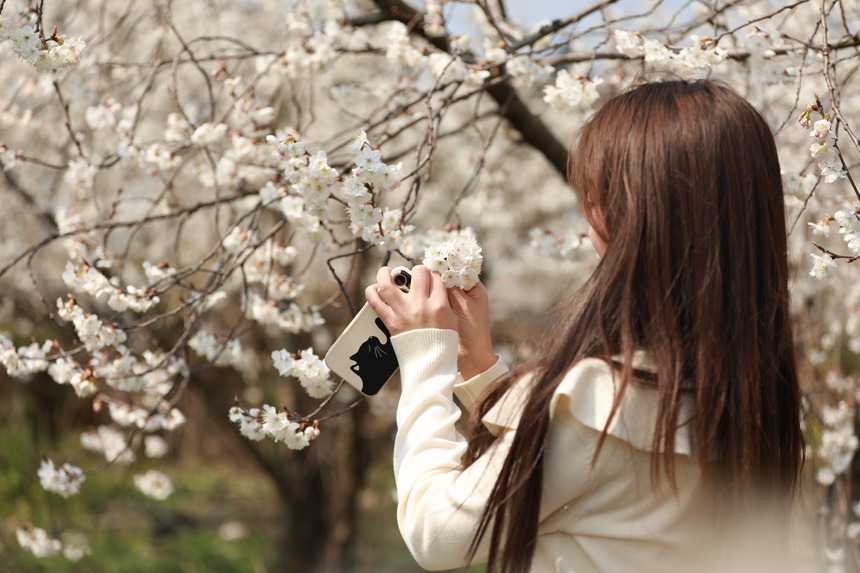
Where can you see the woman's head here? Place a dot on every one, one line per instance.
(672, 160)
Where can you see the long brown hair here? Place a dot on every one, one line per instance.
(682, 180)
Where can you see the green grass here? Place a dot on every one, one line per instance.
(127, 531)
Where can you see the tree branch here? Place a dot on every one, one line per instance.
(511, 106)
(560, 24)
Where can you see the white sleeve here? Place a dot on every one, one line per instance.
(438, 504)
(469, 391)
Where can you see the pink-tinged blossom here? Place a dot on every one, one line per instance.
(825, 151)
(238, 240)
(821, 130)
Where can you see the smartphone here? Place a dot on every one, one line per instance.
(363, 354)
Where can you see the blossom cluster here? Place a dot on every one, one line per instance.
(764, 66)
(565, 246)
(308, 368)
(278, 307)
(824, 266)
(89, 328)
(82, 278)
(215, 351)
(525, 72)
(110, 442)
(457, 258)
(268, 421)
(824, 150)
(38, 542)
(838, 442)
(441, 67)
(434, 24)
(154, 484)
(796, 187)
(64, 481)
(49, 54)
(293, 319)
(369, 180)
(849, 227)
(24, 361)
(704, 54)
(313, 182)
(571, 93)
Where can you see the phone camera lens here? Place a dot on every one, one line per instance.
(400, 279)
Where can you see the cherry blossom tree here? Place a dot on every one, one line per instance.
(193, 206)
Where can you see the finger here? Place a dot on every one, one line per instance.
(421, 282)
(458, 298)
(438, 292)
(383, 276)
(378, 305)
(385, 287)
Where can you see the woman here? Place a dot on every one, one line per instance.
(666, 389)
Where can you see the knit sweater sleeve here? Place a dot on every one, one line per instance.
(469, 391)
(439, 504)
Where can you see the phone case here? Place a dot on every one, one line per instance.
(363, 354)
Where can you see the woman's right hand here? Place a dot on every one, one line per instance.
(475, 353)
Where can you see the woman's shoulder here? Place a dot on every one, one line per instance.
(588, 393)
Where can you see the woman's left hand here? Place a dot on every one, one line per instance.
(424, 306)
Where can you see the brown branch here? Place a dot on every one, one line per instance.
(68, 119)
(834, 256)
(365, 20)
(534, 131)
(766, 17)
